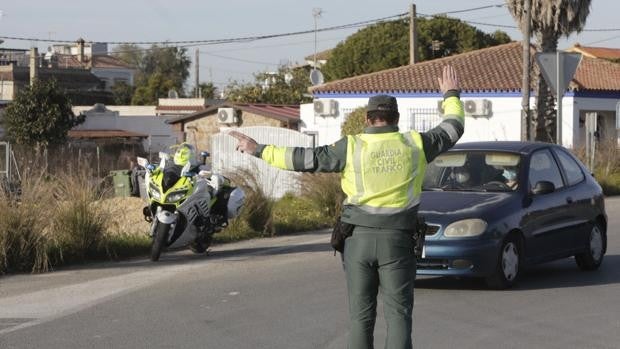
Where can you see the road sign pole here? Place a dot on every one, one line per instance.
(559, 94)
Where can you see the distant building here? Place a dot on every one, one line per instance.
(123, 123)
(491, 90)
(199, 128)
(19, 67)
(94, 57)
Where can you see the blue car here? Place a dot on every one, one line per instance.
(494, 207)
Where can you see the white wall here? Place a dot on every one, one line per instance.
(503, 124)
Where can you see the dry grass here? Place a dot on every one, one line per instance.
(325, 192)
(258, 207)
(24, 235)
(606, 166)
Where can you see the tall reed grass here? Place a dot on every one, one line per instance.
(325, 192)
(606, 168)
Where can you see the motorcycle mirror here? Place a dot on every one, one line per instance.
(143, 162)
(205, 155)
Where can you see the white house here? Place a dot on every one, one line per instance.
(491, 90)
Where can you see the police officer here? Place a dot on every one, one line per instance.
(382, 173)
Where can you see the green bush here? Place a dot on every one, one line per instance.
(606, 165)
(293, 214)
(355, 122)
(609, 183)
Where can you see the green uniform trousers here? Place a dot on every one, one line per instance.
(374, 259)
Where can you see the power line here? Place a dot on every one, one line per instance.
(213, 41)
(240, 60)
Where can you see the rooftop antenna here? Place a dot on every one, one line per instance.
(316, 77)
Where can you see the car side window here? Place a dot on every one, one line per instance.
(544, 168)
(572, 170)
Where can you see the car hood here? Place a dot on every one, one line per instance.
(442, 205)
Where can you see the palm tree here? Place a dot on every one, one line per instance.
(550, 19)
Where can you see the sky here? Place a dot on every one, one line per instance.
(166, 20)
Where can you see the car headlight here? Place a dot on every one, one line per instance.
(176, 196)
(465, 228)
(154, 192)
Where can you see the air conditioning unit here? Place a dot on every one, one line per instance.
(325, 107)
(477, 107)
(226, 116)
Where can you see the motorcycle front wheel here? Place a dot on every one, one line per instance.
(159, 240)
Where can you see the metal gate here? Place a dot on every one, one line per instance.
(275, 182)
(5, 172)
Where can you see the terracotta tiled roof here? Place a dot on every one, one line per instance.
(180, 107)
(493, 69)
(107, 61)
(597, 74)
(597, 52)
(276, 111)
(98, 61)
(280, 112)
(68, 77)
(90, 134)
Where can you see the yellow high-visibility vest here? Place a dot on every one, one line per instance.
(384, 171)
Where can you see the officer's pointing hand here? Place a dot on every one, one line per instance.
(449, 80)
(245, 144)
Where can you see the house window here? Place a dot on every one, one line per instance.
(420, 119)
(346, 112)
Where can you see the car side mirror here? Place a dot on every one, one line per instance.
(543, 187)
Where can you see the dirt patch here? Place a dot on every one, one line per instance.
(125, 215)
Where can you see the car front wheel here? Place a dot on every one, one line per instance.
(592, 258)
(508, 265)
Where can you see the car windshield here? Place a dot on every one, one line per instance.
(473, 171)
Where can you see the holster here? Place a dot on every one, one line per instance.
(419, 236)
(340, 233)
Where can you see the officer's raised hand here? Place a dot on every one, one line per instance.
(245, 143)
(449, 80)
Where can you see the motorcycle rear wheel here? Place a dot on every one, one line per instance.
(159, 240)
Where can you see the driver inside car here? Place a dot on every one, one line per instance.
(510, 177)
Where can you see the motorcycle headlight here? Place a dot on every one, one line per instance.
(466, 228)
(176, 196)
(154, 192)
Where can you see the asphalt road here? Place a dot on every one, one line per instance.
(289, 292)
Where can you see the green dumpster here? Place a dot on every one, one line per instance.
(122, 184)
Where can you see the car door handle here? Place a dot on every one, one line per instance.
(569, 200)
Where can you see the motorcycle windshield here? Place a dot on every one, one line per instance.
(172, 173)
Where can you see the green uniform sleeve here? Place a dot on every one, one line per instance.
(327, 158)
(449, 131)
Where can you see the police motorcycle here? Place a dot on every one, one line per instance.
(187, 204)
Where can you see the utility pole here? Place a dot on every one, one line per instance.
(526, 122)
(197, 67)
(413, 38)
